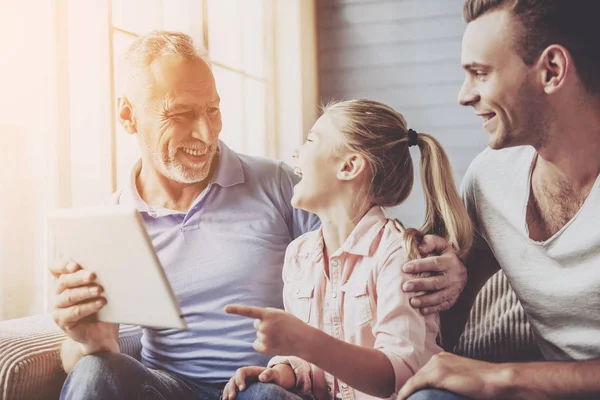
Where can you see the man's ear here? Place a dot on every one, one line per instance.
(555, 63)
(353, 166)
(126, 116)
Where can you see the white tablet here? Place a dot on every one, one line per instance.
(113, 242)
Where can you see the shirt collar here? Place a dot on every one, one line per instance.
(360, 241)
(229, 173)
(130, 195)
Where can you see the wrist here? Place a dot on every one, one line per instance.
(308, 343)
(287, 374)
(504, 380)
(108, 344)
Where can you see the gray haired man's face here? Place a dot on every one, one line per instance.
(180, 122)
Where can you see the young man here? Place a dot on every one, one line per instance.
(534, 196)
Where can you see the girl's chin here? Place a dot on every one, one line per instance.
(295, 201)
(302, 205)
(298, 201)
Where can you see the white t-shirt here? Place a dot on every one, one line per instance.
(558, 280)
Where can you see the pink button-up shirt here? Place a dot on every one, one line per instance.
(361, 302)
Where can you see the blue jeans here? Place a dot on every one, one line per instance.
(435, 394)
(118, 376)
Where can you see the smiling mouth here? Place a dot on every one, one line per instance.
(487, 117)
(193, 152)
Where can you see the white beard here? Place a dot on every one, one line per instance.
(173, 169)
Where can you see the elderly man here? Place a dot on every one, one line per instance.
(220, 223)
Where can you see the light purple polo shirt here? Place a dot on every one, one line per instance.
(229, 248)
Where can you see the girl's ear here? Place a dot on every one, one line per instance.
(352, 166)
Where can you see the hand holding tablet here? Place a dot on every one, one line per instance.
(118, 260)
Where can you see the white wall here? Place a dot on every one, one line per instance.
(405, 53)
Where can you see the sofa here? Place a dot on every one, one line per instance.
(30, 366)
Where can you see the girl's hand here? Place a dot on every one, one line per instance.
(280, 374)
(277, 332)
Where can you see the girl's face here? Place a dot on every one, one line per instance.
(318, 164)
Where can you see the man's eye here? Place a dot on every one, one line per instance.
(186, 114)
(213, 110)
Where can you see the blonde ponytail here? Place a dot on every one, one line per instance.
(445, 214)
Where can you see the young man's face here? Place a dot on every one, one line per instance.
(505, 92)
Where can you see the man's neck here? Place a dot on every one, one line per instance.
(572, 154)
(157, 190)
(564, 173)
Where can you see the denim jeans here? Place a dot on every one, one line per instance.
(435, 394)
(118, 376)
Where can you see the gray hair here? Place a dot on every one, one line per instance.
(145, 49)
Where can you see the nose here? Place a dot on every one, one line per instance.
(467, 96)
(205, 130)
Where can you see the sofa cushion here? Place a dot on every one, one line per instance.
(497, 329)
(30, 366)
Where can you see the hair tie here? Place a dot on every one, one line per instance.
(412, 138)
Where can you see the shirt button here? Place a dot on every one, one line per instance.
(329, 388)
(297, 290)
(334, 295)
(334, 263)
(344, 386)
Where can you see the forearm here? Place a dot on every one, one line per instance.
(552, 380)
(366, 370)
(71, 351)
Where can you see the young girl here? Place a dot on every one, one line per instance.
(349, 331)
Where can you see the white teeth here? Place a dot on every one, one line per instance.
(298, 172)
(192, 152)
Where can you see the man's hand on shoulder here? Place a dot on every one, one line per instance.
(447, 276)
